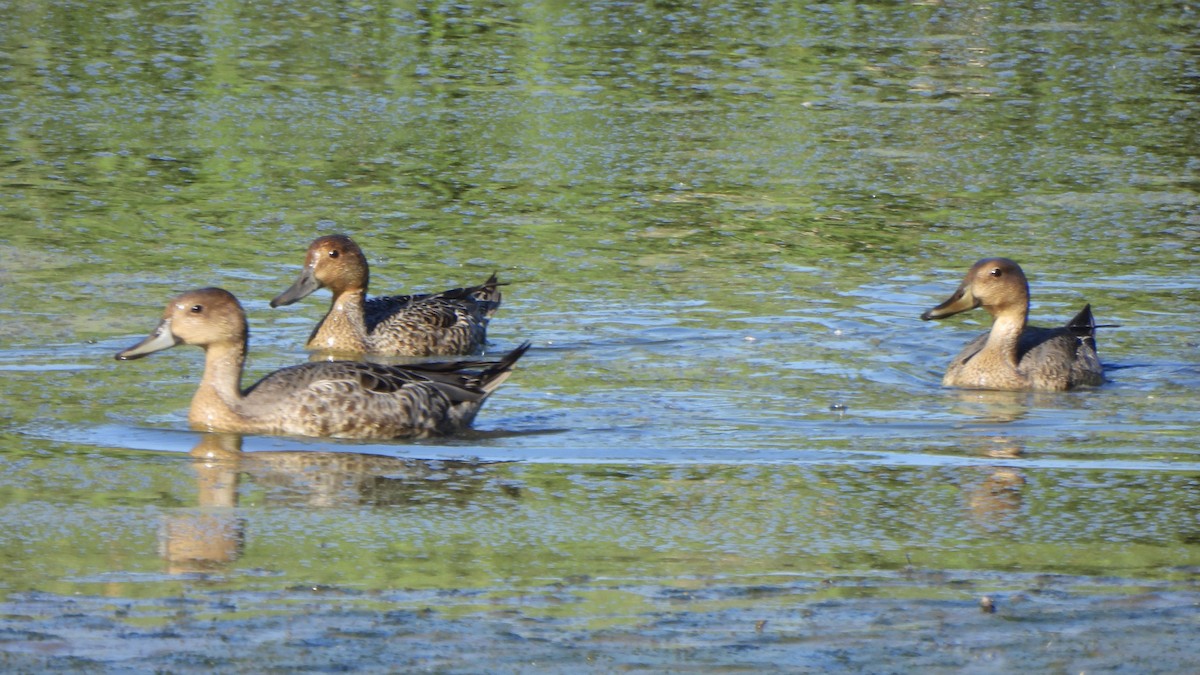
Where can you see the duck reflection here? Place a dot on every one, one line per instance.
(994, 494)
(213, 535)
(992, 406)
(1010, 406)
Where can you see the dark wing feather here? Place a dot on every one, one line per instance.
(356, 399)
(459, 381)
(443, 309)
(370, 377)
(1065, 355)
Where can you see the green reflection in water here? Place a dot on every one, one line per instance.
(368, 523)
(721, 221)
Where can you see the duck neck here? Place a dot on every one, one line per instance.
(1005, 336)
(344, 328)
(217, 399)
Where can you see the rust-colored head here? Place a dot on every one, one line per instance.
(334, 262)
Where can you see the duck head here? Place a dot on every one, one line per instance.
(202, 317)
(334, 262)
(996, 284)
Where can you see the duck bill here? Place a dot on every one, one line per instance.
(162, 338)
(304, 286)
(961, 301)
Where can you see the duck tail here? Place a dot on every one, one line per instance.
(488, 295)
(494, 376)
(1083, 326)
(1083, 323)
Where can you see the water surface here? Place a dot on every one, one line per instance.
(720, 221)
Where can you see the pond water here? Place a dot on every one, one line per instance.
(720, 222)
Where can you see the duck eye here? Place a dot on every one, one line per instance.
(197, 309)
(996, 271)
(334, 253)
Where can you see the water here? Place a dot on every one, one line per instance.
(720, 221)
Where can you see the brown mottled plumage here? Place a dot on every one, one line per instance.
(346, 399)
(1014, 355)
(436, 324)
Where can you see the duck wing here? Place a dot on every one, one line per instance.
(463, 381)
(442, 309)
(348, 399)
(355, 399)
(1063, 357)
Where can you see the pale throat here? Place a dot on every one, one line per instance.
(219, 394)
(1007, 326)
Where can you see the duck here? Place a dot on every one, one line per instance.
(340, 399)
(452, 322)
(1015, 356)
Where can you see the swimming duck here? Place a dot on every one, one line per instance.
(1016, 356)
(436, 324)
(345, 399)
